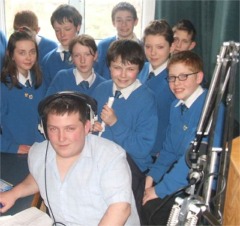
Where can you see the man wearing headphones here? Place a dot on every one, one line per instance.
(83, 179)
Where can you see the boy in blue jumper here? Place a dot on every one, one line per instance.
(132, 120)
(170, 171)
(158, 45)
(66, 22)
(82, 78)
(29, 18)
(124, 19)
(21, 91)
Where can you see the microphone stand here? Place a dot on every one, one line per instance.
(190, 210)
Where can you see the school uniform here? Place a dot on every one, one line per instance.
(19, 115)
(54, 62)
(135, 129)
(45, 45)
(164, 96)
(170, 171)
(71, 80)
(100, 65)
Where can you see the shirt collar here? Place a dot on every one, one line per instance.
(159, 69)
(134, 38)
(60, 50)
(126, 92)
(79, 77)
(192, 98)
(22, 79)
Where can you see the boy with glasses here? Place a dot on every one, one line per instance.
(170, 171)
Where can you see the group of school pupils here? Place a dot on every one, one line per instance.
(149, 78)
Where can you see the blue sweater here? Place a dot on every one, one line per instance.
(180, 133)
(51, 64)
(164, 96)
(135, 129)
(100, 65)
(65, 81)
(44, 47)
(19, 116)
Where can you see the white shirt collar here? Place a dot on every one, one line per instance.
(60, 50)
(79, 77)
(126, 92)
(192, 98)
(22, 79)
(134, 38)
(159, 69)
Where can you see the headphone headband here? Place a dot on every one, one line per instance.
(67, 94)
(90, 102)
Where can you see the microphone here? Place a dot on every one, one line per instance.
(109, 104)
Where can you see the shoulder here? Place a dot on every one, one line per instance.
(37, 150)
(106, 41)
(103, 148)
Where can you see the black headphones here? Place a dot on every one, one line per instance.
(91, 106)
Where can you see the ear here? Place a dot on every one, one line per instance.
(172, 47)
(38, 29)
(136, 22)
(200, 76)
(87, 127)
(78, 29)
(95, 56)
(193, 44)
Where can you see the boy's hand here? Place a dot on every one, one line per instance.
(97, 127)
(7, 200)
(149, 194)
(23, 149)
(108, 115)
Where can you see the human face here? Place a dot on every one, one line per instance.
(157, 50)
(65, 32)
(67, 134)
(183, 41)
(184, 89)
(25, 56)
(123, 75)
(83, 59)
(124, 23)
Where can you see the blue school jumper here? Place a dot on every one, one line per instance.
(164, 96)
(135, 129)
(19, 116)
(44, 47)
(100, 65)
(65, 81)
(181, 132)
(51, 64)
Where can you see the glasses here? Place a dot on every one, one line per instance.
(181, 77)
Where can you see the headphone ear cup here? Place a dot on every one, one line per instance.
(42, 128)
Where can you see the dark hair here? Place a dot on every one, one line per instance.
(186, 25)
(189, 58)
(25, 18)
(66, 12)
(10, 71)
(128, 50)
(159, 27)
(124, 6)
(67, 102)
(85, 40)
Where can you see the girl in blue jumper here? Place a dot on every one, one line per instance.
(170, 171)
(66, 22)
(82, 78)
(21, 91)
(132, 120)
(158, 45)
